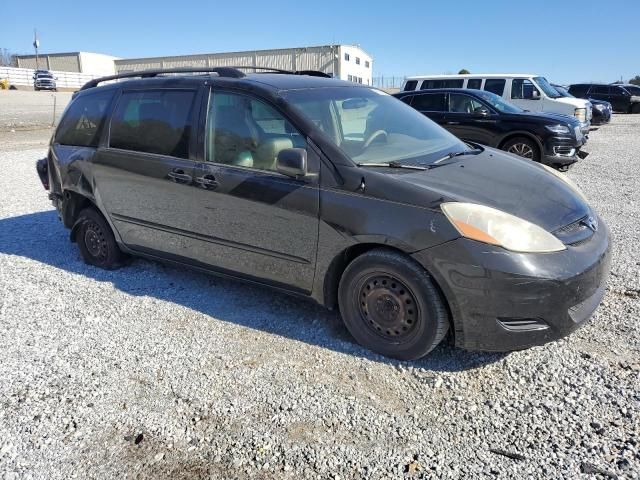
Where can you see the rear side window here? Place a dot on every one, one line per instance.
(154, 121)
(457, 83)
(600, 89)
(578, 90)
(474, 83)
(429, 102)
(495, 85)
(410, 85)
(83, 122)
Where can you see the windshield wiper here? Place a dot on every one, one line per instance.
(451, 155)
(392, 164)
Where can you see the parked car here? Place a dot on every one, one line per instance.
(485, 118)
(602, 110)
(623, 98)
(333, 190)
(44, 80)
(529, 92)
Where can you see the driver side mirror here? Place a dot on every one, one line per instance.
(482, 112)
(535, 95)
(292, 162)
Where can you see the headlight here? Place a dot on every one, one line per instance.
(566, 180)
(488, 225)
(581, 114)
(558, 128)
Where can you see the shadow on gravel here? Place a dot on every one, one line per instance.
(41, 237)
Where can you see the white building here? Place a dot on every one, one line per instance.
(95, 64)
(347, 62)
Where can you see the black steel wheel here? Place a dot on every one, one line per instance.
(523, 147)
(391, 305)
(388, 305)
(96, 240)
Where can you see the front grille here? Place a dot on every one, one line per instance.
(576, 233)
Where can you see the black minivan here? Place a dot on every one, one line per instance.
(332, 190)
(623, 98)
(484, 117)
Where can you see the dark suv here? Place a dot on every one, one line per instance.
(332, 190)
(623, 98)
(484, 117)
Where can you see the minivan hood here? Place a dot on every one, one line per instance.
(503, 181)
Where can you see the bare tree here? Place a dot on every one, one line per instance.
(6, 59)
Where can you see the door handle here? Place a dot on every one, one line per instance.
(179, 176)
(453, 123)
(207, 181)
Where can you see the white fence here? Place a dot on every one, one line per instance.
(24, 77)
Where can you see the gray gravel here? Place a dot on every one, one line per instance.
(157, 372)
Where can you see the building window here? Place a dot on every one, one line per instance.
(346, 57)
(366, 63)
(357, 60)
(350, 78)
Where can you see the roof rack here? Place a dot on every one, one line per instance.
(228, 72)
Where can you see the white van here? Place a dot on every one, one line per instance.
(530, 92)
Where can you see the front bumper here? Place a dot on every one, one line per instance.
(601, 117)
(563, 151)
(45, 86)
(502, 300)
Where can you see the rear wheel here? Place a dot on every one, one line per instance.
(391, 305)
(523, 147)
(96, 241)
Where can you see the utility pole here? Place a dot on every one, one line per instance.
(36, 44)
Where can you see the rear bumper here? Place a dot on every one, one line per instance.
(503, 301)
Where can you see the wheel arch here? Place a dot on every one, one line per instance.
(520, 133)
(340, 262)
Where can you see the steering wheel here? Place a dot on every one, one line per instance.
(374, 136)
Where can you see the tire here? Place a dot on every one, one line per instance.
(391, 305)
(523, 147)
(635, 108)
(96, 241)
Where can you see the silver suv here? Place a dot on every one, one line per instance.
(44, 80)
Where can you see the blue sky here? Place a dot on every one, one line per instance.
(567, 41)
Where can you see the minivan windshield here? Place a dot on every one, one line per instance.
(632, 90)
(498, 103)
(563, 91)
(372, 127)
(546, 87)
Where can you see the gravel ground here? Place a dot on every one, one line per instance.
(158, 372)
(25, 109)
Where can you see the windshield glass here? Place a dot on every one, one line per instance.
(563, 91)
(371, 126)
(546, 87)
(498, 103)
(632, 90)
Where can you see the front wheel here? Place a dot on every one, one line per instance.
(96, 241)
(635, 108)
(523, 147)
(391, 305)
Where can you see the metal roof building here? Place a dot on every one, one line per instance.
(95, 64)
(347, 62)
